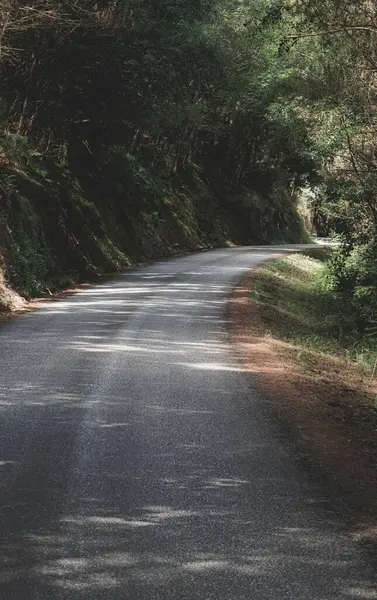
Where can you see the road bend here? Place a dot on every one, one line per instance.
(138, 462)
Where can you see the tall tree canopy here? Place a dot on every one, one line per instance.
(265, 103)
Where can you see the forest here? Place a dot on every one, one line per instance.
(134, 129)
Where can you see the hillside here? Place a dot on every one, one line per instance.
(131, 131)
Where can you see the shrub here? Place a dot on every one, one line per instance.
(352, 274)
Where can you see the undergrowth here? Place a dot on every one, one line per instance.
(299, 306)
(62, 223)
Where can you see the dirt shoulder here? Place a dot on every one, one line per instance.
(324, 402)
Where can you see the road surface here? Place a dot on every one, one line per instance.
(137, 462)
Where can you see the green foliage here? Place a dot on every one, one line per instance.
(30, 263)
(352, 275)
(157, 124)
(299, 306)
(303, 308)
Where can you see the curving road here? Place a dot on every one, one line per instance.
(137, 463)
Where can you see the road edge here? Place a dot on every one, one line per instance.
(343, 481)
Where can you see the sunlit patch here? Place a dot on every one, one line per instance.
(62, 565)
(107, 521)
(95, 581)
(117, 559)
(155, 276)
(206, 565)
(359, 592)
(110, 425)
(167, 513)
(211, 366)
(113, 290)
(226, 483)
(106, 348)
(163, 513)
(181, 411)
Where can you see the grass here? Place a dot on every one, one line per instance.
(297, 306)
(298, 340)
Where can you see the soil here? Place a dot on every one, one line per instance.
(325, 404)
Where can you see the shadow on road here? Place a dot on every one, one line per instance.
(135, 461)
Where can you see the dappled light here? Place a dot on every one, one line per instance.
(151, 469)
(212, 366)
(108, 559)
(140, 458)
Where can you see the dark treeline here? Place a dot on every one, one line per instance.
(131, 128)
(343, 40)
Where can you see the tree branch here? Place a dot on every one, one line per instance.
(346, 28)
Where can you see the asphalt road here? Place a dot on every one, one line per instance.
(137, 462)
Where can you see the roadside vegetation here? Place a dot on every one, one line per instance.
(307, 346)
(301, 302)
(132, 129)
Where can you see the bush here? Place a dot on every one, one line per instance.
(352, 274)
